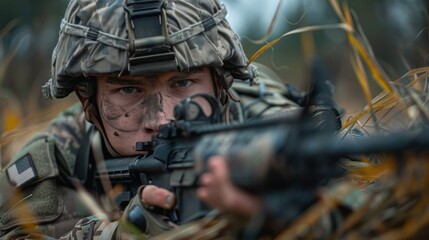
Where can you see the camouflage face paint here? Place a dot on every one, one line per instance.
(130, 118)
(131, 109)
(153, 105)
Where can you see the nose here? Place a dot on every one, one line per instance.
(151, 124)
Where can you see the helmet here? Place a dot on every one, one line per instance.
(138, 37)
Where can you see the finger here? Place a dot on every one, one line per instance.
(204, 195)
(206, 179)
(203, 191)
(214, 162)
(206, 191)
(217, 165)
(158, 197)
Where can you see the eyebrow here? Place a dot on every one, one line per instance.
(180, 76)
(118, 81)
(183, 75)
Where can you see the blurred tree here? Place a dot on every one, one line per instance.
(30, 43)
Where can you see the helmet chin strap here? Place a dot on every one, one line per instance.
(226, 96)
(86, 94)
(109, 146)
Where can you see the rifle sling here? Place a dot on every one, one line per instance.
(84, 159)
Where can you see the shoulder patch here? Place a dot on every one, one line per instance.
(22, 171)
(33, 170)
(34, 163)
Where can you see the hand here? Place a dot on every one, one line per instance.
(218, 192)
(158, 197)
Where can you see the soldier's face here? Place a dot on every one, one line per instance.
(133, 108)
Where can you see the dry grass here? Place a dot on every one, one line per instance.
(401, 207)
(398, 207)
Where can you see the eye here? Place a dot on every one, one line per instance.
(182, 83)
(128, 90)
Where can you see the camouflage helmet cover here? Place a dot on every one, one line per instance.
(104, 37)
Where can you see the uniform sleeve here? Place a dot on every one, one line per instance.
(265, 100)
(68, 129)
(35, 198)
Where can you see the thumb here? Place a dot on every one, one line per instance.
(158, 197)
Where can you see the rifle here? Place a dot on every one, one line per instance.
(273, 154)
(289, 157)
(176, 156)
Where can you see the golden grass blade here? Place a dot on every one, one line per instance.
(382, 104)
(424, 73)
(358, 28)
(378, 77)
(337, 9)
(366, 53)
(272, 24)
(386, 110)
(375, 109)
(354, 119)
(383, 101)
(371, 172)
(347, 15)
(262, 50)
(383, 97)
(387, 99)
(417, 71)
(296, 31)
(363, 81)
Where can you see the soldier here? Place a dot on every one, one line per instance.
(129, 63)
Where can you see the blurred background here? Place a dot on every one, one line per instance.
(397, 30)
